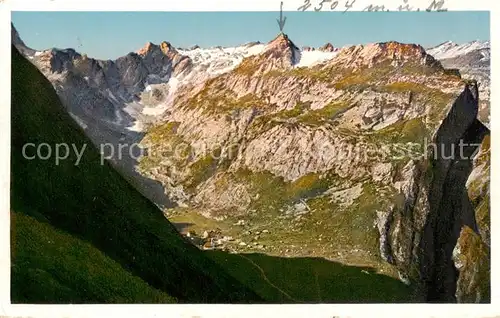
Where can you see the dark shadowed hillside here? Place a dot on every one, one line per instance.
(81, 233)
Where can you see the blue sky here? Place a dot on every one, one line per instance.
(108, 35)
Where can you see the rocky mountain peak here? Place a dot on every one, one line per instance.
(157, 57)
(146, 49)
(401, 50)
(167, 48)
(328, 47)
(395, 52)
(281, 44)
(280, 53)
(150, 48)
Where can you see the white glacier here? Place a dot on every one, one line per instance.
(311, 58)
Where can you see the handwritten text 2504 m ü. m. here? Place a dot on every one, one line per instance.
(435, 5)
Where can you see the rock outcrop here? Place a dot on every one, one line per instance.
(428, 226)
(328, 47)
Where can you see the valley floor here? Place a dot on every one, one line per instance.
(284, 264)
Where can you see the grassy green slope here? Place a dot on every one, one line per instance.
(96, 207)
(58, 274)
(312, 280)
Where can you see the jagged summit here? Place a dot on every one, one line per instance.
(165, 47)
(328, 47)
(397, 53)
(279, 53)
(162, 59)
(283, 50)
(148, 47)
(399, 49)
(281, 42)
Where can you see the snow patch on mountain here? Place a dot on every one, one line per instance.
(220, 60)
(212, 62)
(486, 55)
(311, 58)
(136, 127)
(173, 85)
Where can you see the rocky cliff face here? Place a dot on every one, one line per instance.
(341, 158)
(103, 96)
(471, 255)
(441, 207)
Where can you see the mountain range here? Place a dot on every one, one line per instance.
(304, 153)
(82, 234)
